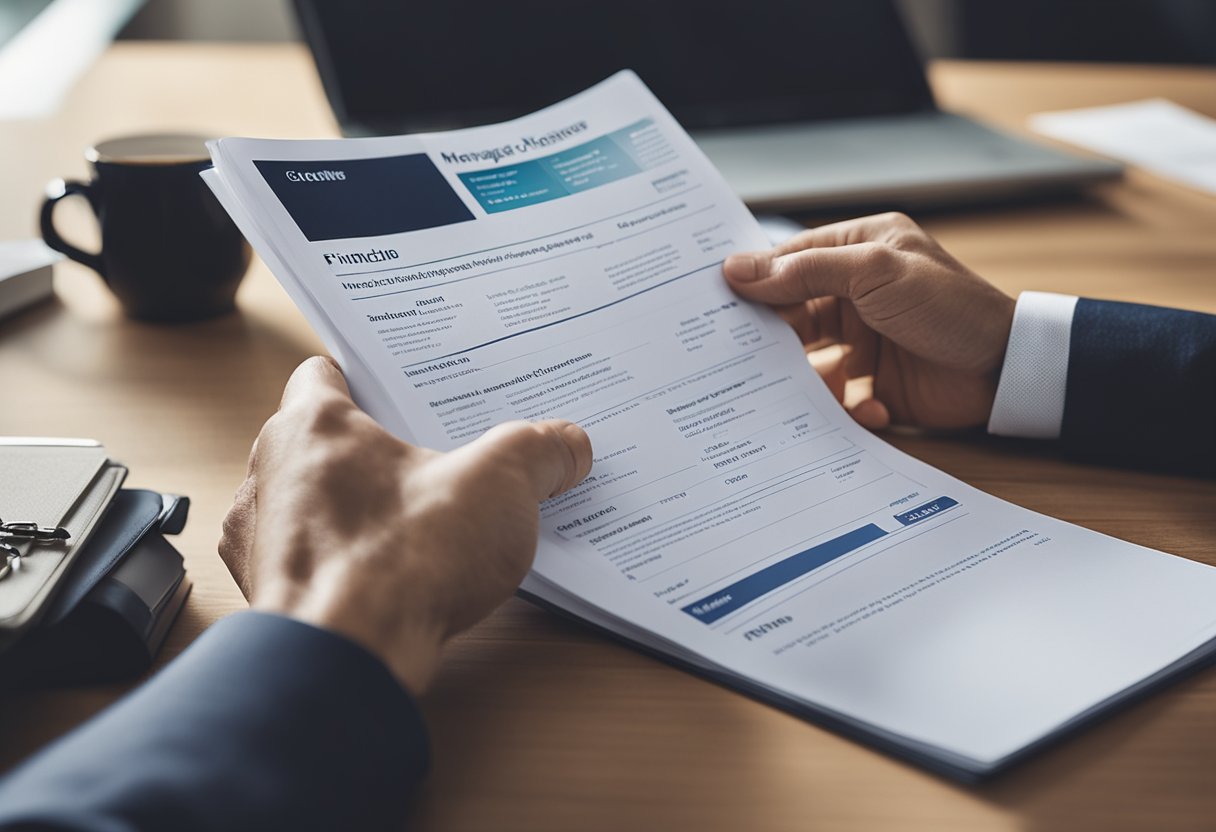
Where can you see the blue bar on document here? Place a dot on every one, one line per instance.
(742, 592)
(926, 511)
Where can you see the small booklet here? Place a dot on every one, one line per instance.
(736, 522)
(53, 495)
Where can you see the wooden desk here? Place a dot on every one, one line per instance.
(538, 724)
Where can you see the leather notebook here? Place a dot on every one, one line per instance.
(65, 483)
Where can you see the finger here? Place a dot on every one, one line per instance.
(554, 454)
(865, 343)
(801, 276)
(317, 377)
(252, 464)
(817, 322)
(876, 227)
(853, 232)
(830, 364)
(236, 541)
(871, 414)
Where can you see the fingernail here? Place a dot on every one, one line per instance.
(743, 268)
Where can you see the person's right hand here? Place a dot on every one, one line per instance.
(928, 331)
(344, 526)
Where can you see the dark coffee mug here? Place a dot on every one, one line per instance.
(169, 251)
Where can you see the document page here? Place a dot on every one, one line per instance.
(568, 264)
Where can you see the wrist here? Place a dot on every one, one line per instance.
(1000, 326)
(408, 645)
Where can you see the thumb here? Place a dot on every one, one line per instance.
(555, 455)
(783, 279)
(316, 378)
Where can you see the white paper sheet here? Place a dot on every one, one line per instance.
(1157, 135)
(25, 274)
(569, 265)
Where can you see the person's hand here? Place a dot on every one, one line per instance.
(342, 525)
(897, 308)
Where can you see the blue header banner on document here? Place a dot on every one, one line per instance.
(345, 198)
(611, 157)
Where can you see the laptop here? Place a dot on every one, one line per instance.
(802, 104)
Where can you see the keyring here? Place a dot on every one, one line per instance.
(11, 556)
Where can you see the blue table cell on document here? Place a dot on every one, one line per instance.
(926, 511)
(743, 592)
(580, 168)
(590, 165)
(511, 187)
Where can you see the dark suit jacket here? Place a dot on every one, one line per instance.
(264, 723)
(1142, 387)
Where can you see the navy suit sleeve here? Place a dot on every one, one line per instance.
(263, 723)
(1142, 387)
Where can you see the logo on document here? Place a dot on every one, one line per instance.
(316, 175)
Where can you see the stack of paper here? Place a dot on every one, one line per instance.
(25, 274)
(736, 521)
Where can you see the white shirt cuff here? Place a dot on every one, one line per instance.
(1030, 395)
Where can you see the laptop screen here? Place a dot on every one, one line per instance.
(400, 66)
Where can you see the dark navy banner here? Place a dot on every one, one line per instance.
(364, 197)
(927, 510)
(743, 592)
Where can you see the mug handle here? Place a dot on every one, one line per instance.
(56, 191)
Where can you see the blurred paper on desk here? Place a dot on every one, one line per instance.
(1158, 135)
(25, 274)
